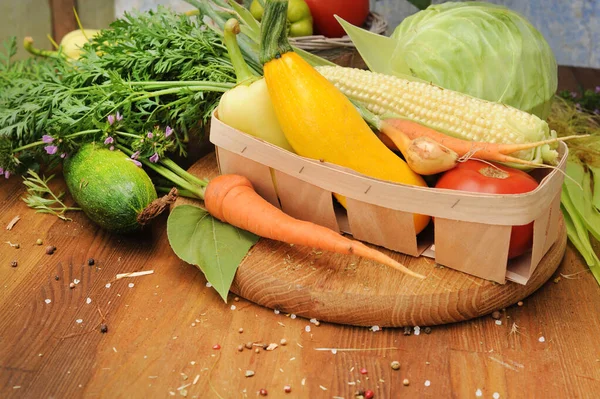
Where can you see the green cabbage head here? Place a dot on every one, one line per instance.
(480, 49)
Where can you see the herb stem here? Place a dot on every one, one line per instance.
(169, 175)
(124, 134)
(70, 136)
(183, 173)
(180, 192)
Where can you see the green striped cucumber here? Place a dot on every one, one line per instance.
(110, 189)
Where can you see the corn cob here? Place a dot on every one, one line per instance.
(446, 111)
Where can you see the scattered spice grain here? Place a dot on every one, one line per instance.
(427, 330)
(520, 303)
(248, 345)
(407, 330)
(496, 315)
(287, 389)
(91, 262)
(71, 285)
(395, 365)
(216, 347)
(369, 394)
(263, 392)
(240, 348)
(363, 371)
(103, 328)
(14, 263)
(241, 330)
(283, 342)
(50, 249)
(249, 373)
(39, 241)
(406, 382)
(56, 277)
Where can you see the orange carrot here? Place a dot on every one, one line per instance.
(232, 199)
(399, 130)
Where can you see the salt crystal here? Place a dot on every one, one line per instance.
(478, 393)
(276, 311)
(232, 307)
(313, 320)
(542, 339)
(417, 332)
(292, 316)
(76, 281)
(107, 285)
(498, 322)
(427, 383)
(307, 328)
(208, 284)
(375, 328)
(79, 321)
(496, 395)
(47, 300)
(88, 301)
(130, 285)
(334, 351)
(417, 328)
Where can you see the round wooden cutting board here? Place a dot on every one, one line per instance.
(349, 290)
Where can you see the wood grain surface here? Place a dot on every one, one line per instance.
(349, 290)
(162, 329)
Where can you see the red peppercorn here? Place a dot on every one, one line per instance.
(369, 394)
(287, 389)
(263, 392)
(363, 371)
(217, 347)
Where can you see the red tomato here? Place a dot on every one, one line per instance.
(475, 176)
(323, 11)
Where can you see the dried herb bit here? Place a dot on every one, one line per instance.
(496, 315)
(41, 198)
(91, 262)
(427, 330)
(56, 277)
(14, 263)
(103, 328)
(407, 330)
(50, 250)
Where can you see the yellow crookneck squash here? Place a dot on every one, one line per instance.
(318, 121)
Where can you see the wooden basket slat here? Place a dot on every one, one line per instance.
(474, 248)
(385, 227)
(306, 201)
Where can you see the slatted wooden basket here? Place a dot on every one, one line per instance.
(471, 232)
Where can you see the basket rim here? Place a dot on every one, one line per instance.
(375, 23)
(497, 209)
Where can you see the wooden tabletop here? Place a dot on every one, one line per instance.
(170, 335)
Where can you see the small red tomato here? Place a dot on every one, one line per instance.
(323, 11)
(479, 177)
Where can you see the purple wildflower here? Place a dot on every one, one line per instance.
(47, 139)
(578, 106)
(111, 119)
(135, 155)
(63, 155)
(574, 94)
(597, 89)
(154, 158)
(112, 148)
(119, 117)
(168, 131)
(6, 174)
(136, 162)
(109, 140)
(1, 171)
(51, 149)
(597, 111)
(149, 135)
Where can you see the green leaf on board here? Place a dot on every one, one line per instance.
(216, 248)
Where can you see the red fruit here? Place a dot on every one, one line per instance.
(323, 11)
